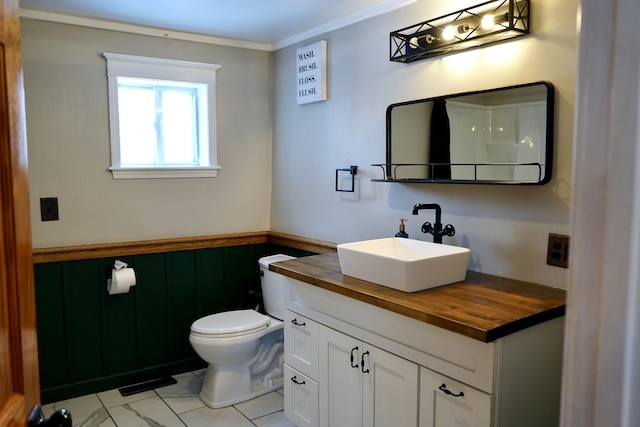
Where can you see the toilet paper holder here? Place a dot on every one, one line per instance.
(121, 280)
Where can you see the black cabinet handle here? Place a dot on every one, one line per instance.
(295, 322)
(353, 358)
(444, 388)
(364, 371)
(294, 380)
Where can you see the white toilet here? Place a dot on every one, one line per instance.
(244, 348)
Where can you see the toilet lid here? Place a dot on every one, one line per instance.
(230, 322)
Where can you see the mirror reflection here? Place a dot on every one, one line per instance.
(501, 136)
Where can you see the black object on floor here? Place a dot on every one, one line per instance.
(146, 386)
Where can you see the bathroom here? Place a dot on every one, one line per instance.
(294, 193)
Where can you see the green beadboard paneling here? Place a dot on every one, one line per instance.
(83, 319)
(213, 296)
(279, 249)
(151, 308)
(241, 274)
(52, 339)
(118, 322)
(90, 341)
(182, 301)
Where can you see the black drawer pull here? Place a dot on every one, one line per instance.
(295, 380)
(444, 388)
(295, 322)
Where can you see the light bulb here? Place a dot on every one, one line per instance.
(448, 33)
(487, 22)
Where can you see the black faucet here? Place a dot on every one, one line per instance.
(436, 229)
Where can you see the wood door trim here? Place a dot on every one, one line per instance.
(12, 411)
(20, 389)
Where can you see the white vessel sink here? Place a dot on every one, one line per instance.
(404, 264)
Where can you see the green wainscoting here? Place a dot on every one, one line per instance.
(90, 341)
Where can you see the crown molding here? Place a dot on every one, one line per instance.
(101, 24)
(141, 30)
(354, 18)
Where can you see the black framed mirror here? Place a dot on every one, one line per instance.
(495, 136)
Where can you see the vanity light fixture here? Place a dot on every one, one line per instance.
(475, 26)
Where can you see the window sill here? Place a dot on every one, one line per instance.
(155, 172)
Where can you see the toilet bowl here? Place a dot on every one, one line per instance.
(244, 348)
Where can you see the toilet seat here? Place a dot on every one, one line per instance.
(231, 324)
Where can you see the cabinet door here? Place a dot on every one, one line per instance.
(448, 403)
(301, 343)
(300, 398)
(340, 379)
(390, 389)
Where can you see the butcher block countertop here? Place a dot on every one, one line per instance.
(483, 307)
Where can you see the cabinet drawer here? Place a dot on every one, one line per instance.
(300, 398)
(448, 403)
(301, 343)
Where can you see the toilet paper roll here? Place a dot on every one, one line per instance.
(121, 280)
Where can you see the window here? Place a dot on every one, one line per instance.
(161, 117)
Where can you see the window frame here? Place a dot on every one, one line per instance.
(159, 69)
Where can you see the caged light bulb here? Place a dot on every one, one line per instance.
(488, 22)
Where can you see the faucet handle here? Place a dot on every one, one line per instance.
(427, 228)
(449, 230)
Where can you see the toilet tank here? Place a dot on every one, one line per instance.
(272, 286)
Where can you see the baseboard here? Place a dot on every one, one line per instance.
(68, 391)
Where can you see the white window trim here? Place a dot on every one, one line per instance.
(119, 65)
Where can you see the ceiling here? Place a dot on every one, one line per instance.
(273, 24)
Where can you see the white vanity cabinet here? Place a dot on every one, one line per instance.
(349, 362)
(362, 385)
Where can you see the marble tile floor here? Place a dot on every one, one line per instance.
(174, 405)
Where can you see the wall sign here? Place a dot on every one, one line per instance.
(311, 72)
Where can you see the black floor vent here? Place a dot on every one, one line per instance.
(145, 386)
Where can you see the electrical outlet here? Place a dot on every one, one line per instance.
(558, 250)
(49, 209)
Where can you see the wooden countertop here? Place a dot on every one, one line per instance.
(483, 307)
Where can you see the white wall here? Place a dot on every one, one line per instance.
(68, 140)
(505, 227)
